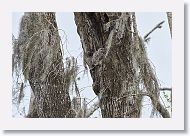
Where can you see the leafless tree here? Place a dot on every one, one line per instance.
(113, 51)
(42, 66)
(123, 74)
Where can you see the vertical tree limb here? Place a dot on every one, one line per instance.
(39, 44)
(125, 66)
(169, 16)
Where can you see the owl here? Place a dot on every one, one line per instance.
(98, 56)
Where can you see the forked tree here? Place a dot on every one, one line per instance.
(114, 53)
(118, 63)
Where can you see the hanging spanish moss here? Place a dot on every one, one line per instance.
(114, 53)
(123, 74)
(42, 65)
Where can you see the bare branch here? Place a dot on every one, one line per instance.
(157, 26)
(92, 109)
(77, 89)
(165, 89)
(162, 110)
(21, 93)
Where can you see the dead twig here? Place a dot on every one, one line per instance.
(165, 89)
(146, 38)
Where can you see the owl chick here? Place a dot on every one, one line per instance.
(98, 56)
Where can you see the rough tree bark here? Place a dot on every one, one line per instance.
(39, 44)
(114, 53)
(169, 15)
(105, 38)
(118, 63)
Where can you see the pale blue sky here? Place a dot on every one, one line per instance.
(159, 48)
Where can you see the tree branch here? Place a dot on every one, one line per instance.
(163, 111)
(169, 15)
(92, 109)
(165, 88)
(157, 26)
(159, 107)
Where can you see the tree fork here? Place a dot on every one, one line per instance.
(114, 70)
(115, 76)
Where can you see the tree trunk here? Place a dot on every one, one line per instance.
(169, 15)
(118, 63)
(114, 53)
(107, 40)
(43, 66)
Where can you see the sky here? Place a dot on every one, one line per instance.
(158, 48)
